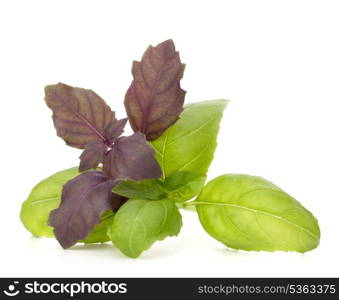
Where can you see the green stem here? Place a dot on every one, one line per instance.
(203, 203)
(190, 203)
(186, 205)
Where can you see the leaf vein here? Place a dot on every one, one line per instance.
(192, 132)
(258, 211)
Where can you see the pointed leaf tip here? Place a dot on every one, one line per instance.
(155, 99)
(115, 129)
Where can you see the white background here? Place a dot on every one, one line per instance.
(278, 63)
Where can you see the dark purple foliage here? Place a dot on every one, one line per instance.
(84, 199)
(115, 129)
(82, 118)
(93, 155)
(95, 151)
(133, 158)
(155, 99)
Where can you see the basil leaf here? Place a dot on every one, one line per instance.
(83, 200)
(179, 186)
(80, 116)
(131, 157)
(250, 213)
(189, 144)
(155, 99)
(151, 189)
(139, 223)
(93, 155)
(183, 186)
(45, 197)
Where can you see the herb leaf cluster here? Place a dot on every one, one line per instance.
(128, 189)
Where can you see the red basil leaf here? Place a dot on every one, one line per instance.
(83, 200)
(131, 158)
(80, 116)
(92, 156)
(115, 129)
(155, 99)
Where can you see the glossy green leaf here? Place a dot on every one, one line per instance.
(189, 144)
(250, 213)
(45, 197)
(179, 186)
(139, 223)
(151, 189)
(183, 186)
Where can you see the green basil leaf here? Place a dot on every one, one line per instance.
(139, 223)
(189, 144)
(145, 189)
(45, 197)
(250, 213)
(183, 186)
(179, 186)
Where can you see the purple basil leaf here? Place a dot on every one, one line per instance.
(92, 156)
(155, 99)
(83, 200)
(132, 158)
(80, 116)
(115, 129)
